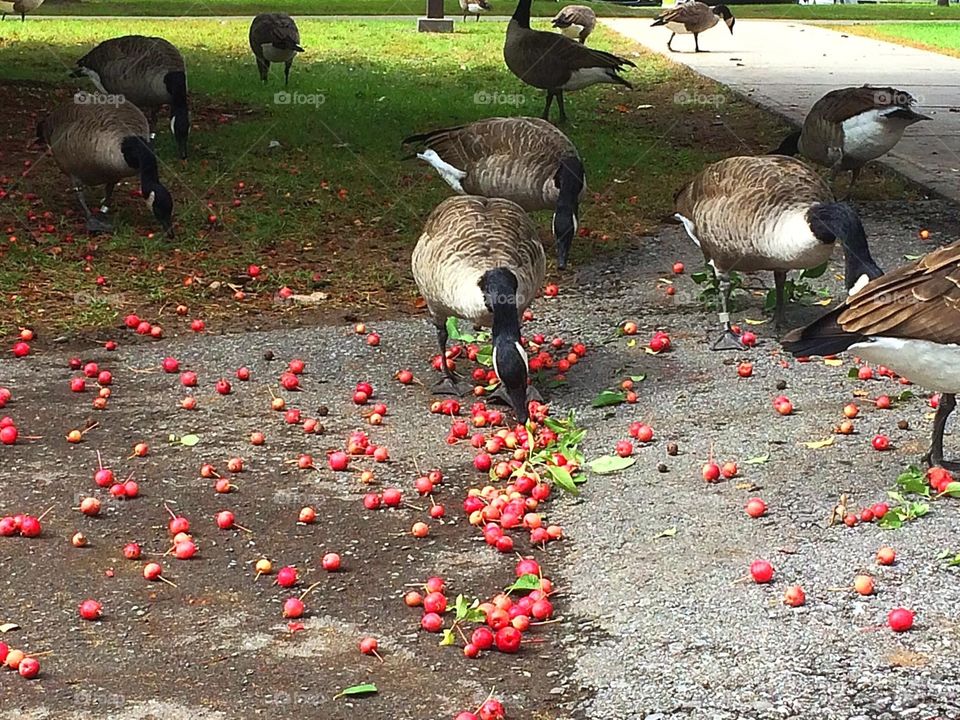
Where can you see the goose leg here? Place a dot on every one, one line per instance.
(780, 280)
(696, 42)
(948, 402)
(728, 340)
(263, 67)
(669, 45)
(107, 198)
(563, 113)
(286, 72)
(153, 124)
(546, 109)
(854, 176)
(94, 224)
(449, 384)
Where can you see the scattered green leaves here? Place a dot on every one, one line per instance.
(913, 481)
(525, 582)
(606, 464)
(669, 532)
(188, 440)
(362, 689)
(606, 398)
(757, 460)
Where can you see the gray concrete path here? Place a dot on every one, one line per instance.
(786, 67)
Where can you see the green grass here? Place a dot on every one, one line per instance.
(887, 11)
(940, 37)
(334, 207)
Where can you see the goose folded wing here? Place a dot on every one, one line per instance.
(844, 104)
(682, 14)
(578, 57)
(919, 301)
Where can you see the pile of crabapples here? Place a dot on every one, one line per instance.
(8, 431)
(14, 659)
(490, 709)
(26, 526)
(713, 472)
(877, 511)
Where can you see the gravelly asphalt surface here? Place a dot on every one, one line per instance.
(654, 627)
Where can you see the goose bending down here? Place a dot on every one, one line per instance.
(552, 63)
(849, 127)
(576, 21)
(693, 18)
(474, 7)
(147, 71)
(480, 259)
(274, 38)
(100, 144)
(18, 7)
(526, 160)
(908, 320)
(768, 213)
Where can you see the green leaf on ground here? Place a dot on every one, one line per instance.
(669, 532)
(563, 479)
(609, 397)
(757, 460)
(525, 582)
(448, 637)
(913, 481)
(189, 440)
(607, 464)
(363, 689)
(952, 489)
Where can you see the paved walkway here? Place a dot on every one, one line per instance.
(786, 67)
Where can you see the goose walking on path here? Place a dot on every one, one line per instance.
(849, 127)
(100, 144)
(18, 7)
(576, 22)
(475, 8)
(909, 321)
(768, 213)
(480, 259)
(555, 63)
(147, 71)
(274, 38)
(526, 160)
(693, 18)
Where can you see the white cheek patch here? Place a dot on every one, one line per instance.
(689, 227)
(494, 358)
(451, 175)
(859, 285)
(523, 354)
(173, 123)
(149, 199)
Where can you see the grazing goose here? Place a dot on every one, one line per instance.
(576, 21)
(526, 160)
(274, 38)
(849, 127)
(552, 63)
(908, 320)
(768, 213)
(474, 7)
(147, 71)
(100, 144)
(693, 18)
(18, 7)
(480, 259)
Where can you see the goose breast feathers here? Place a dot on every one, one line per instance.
(749, 213)
(463, 238)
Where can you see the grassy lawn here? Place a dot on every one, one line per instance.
(334, 207)
(940, 37)
(890, 11)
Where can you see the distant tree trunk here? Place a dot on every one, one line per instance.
(434, 8)
(943, 3)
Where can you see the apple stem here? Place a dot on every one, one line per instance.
(315, 585)
(489, 697)
(99, 460)
(44, 513)
(168, 582)
(172, 514)
(89, 428)
(377, 655)
(546, 622)
(241, 527)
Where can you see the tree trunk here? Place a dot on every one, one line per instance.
(943, 3)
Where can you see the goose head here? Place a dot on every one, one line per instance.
(160, 202)
(839, 221)
(723, 12)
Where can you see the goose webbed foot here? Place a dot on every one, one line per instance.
(449, 385)
(728, 341)
(97, 224)
(533, 395)
(500, 395)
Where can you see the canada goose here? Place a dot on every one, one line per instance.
(18, 7)
(101, 143)
(849, 127)
(480, 259)
(552, 63)
(274, 37)
(576, 21)
(474, 7)
(526, 160)
(693, 18)
(768, 213)
(908, 320)
(147, 71)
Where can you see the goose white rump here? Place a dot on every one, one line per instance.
(927, 364)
